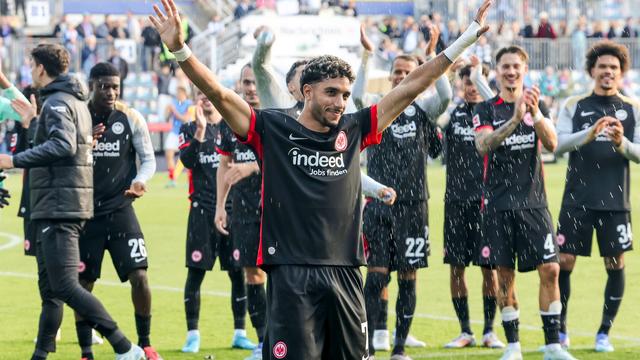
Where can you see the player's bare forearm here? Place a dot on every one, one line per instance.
(235, 111)
(547, 134)
(489, 140)
(4, 82)
(222, 188)
(394, 103)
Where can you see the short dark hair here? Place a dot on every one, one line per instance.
(292, 70)
(607, 47)
(513, 49)
(405, 57)
(53, 57)
(247, 65)
(103, 69)
(325, 67)
(466, 71)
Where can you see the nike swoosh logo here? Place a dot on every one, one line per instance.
(407, 316)
(411, 262)
(461, 114)
(140, 259)
(615, 298)
(293, 138)
(241, 299)
(46, 229)
(584, 113)
(499, 122)
(549, 256)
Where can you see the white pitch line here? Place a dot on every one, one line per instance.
(227, 294)
(13, 240)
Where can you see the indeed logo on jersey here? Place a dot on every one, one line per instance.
(466, 132)
(520, 142)
(244, 156)
(107, 149)
(404, 131)
(317, 164)
(213, 159)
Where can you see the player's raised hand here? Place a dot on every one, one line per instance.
(364, 39)
(532, 99)
(434, 35)
(264, 35)
(27, 111)
(598, 128)
(615, 131)
(201, 120)
(474, 60)
(168, 25)
(520, 108)
(136, 190)
(220, 220)
(481, 16)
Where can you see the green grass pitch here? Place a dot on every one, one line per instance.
(163, 215)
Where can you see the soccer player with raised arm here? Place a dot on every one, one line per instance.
(462, 215)
(510, 129)
(122, 138)
(204, 242)
(398, 236)
(601, 132)
(310, 241)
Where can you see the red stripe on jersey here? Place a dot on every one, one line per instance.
(373, 137)
(222, 152)
(253, 138)
(500, 101)
(190, 175)
(485, 170)
(260, 260)
(183, 146)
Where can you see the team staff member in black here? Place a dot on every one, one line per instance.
(515, 218)
(239, 172)
(398, 236)
(122, 135)
(61, 184)
(462, 216)
(601, 132)
(310, 236)
(197, 143)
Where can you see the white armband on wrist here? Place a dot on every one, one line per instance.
(183, 54)
(465, 40)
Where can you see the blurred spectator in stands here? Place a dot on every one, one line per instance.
(86, 28)
(103, 31)
(563, 29)
(20, 4)
(527, 31)
(5, 64)
(179, 80)
(579, 43)
(118, 30)
(388, 50)
(349, 9)
(70, 41)
(24, 73)
(242, 9)
(372, 30)
(545, 29)
(629, 29)
(549, 83)
(615, 29)
(60, 27)
(133, 27)
(122, 66)
(504, 35)
(453, 31)
(164, 79)
(265, 4)
(187, 30)
(4, 8)
(482, 49)
(215, 25)
(7, 32)
(565, 84)
(412, 37)
(390, 27)
(89, 54)
(151, 45)
(598, 30)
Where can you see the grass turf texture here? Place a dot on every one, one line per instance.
(163, 215)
